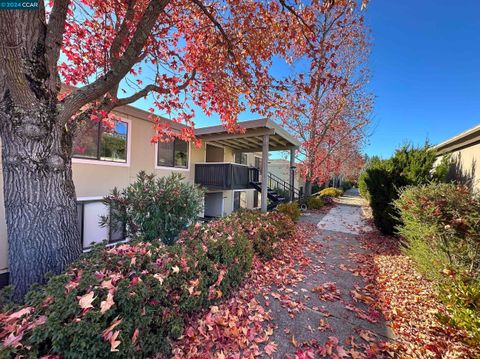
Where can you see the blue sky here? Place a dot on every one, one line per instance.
(425, 63)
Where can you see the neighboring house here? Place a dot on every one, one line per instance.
(226, 165)
(464, 153)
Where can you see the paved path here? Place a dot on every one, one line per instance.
(327, 292)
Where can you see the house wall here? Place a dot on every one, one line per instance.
(466, 165)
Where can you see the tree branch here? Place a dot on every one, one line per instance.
(54, 40)
(151, 88)
(105, 83)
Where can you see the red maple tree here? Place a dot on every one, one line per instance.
(325, 102)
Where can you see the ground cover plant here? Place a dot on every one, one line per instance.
(133, 299)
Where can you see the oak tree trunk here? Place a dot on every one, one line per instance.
(40, 201)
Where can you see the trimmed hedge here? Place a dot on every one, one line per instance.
(132, 300)
(264, 230)
(291, 209)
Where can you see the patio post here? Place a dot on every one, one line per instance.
(266, 139)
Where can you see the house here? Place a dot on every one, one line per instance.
(464, 153)
(229, 166)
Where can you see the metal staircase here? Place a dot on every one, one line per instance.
(278, 190)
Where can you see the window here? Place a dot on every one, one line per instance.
(241, 158)
(88, 214)
(239, 200)
(102, 142)
(172, 154)
(255, 198)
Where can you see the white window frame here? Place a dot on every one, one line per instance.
(91, 161)
(168, 168)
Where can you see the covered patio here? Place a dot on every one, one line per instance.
(261, 135)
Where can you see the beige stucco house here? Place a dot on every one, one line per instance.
(464, 152)
(226, 165)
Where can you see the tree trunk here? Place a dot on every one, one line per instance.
(40, 201)
(308, 188)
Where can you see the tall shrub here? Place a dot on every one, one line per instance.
(385, 178)
(382, 188)
(441, 228)
(446, 219)
(155, 207)
(371, 162)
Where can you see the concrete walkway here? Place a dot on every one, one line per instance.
(328, 295)
(347, 217)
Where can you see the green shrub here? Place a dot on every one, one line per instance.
(130, 300)
(315, 202)
(462, 298)
(362, 185)
(441, 228)
(330, 192)
(382, 190)
(446, 218)
(371, 162)
(291, 209)
(155, 208)
(264, 230)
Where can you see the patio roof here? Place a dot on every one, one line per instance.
(251, 140)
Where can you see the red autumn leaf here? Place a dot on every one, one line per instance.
(270, 348)
(106, 304)
(85, 301)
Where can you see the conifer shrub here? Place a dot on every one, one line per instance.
(385, 178)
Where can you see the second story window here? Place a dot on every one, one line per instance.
(172, 154)
(102, 142)
(241, 158)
